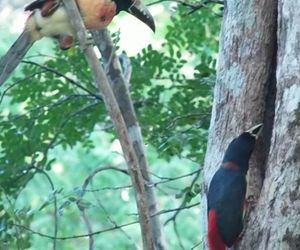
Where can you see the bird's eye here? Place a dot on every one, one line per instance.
(103, 18)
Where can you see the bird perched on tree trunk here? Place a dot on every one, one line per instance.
(227, 190)
(48, 18)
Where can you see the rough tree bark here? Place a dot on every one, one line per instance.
(241, 97)
(258, 76)
(121, 92)
(275, 222)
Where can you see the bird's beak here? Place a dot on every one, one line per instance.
(255, 131)
(140, 11)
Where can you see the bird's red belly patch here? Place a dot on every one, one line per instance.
(214, 239)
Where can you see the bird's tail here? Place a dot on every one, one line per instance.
(213, 236)
(14, 56)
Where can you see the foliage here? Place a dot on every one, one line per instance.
(175, 107)
(55, 107)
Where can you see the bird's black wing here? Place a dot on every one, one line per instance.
(226, 195)
(38, 4)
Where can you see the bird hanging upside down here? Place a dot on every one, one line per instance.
(48, 18)
(227, 190)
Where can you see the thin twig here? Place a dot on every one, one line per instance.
(173, 218)
(164, 180)
(101, 231)
(178, 235)
(56, 72)
(198, 244)
(54, 204)
(82, 209)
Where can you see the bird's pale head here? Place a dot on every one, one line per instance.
(137, 9)
(240, 149)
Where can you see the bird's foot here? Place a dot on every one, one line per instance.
(249, 205)
(87, 41)
(250, 202)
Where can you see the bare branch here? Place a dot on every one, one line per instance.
(177, 209)
(76, 236)
(112, 221)
(56, 72)
(120, 87)
(104, 230)
(173, 218)
(54, 204)
(155, 184)
(14, 55)
(193, 7)
(196, 245)
(88, 225)
(118, 121)
(178, 235)
(98, 170)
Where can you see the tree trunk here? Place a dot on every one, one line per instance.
(121, 92)
(275, 222)
(251, 87)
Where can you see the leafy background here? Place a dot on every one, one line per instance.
(54, 131)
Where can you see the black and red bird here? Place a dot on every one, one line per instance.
(227, 190)
(48, 18)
